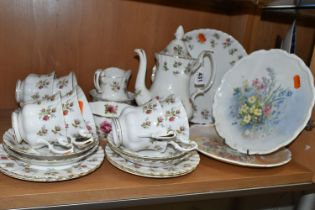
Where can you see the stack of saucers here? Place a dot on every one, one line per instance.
(53, 138)
(23, 162)
(171, 163)
(152, 140)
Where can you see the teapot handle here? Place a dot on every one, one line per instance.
(97, 80)
(199, 63)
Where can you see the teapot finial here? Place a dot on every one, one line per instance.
(179, 34)
(177, 46)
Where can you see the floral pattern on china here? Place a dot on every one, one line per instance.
(211, 145)
(172, 73)
(258, 105)
(226, 51)
(36, 173)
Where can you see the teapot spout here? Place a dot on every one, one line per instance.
(142, 94)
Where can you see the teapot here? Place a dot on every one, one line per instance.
(172, 74)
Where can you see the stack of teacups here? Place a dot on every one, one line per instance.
(111, 85)
(36, 87)
(152, 136)
(54, 125)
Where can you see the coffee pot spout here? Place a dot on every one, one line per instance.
(142, 94)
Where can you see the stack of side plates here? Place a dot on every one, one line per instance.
(23, 162)
(148, 163)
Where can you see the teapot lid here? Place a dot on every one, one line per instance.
(177, 46)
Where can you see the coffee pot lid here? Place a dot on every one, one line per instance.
(177, 46)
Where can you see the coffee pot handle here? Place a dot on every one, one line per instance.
(200, 77)
(97, 80)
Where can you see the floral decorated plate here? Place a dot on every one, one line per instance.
(107, 108)
(226, 51)
(51, 162)
(20, 170)
(184, 167)
(149, 155)
(26, 150)
(212, 145)
(97, 97)
(148, 162)
(264, 102)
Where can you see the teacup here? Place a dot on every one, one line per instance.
(34, 87)
(144, 128)
(86, 112)
(75, 125)
(42, 124)
(65, 84)
(176, 118)
(111, 83)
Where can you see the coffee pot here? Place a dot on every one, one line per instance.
(172, 74)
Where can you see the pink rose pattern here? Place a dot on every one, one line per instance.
(105, 127)
(112, 109)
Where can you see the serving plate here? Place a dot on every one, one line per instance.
(30, 172)
(264, 102)
(212, 145)
(184, 167)
(226, 51)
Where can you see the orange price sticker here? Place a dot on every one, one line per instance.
(297, 82)
(202, 38)
(81, 105)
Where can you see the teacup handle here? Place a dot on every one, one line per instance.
(56, 151)
(85, 139)
(97, 80)
(200, 78)
(179, 148)
(166, 136)
(160, 136)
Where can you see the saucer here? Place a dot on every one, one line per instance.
(98, 97)
(29, 172)
(43, 162)
(212, 145)
(147, 162)
(108, 109)
(184, 167)
(26, 150)
(149, 155)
